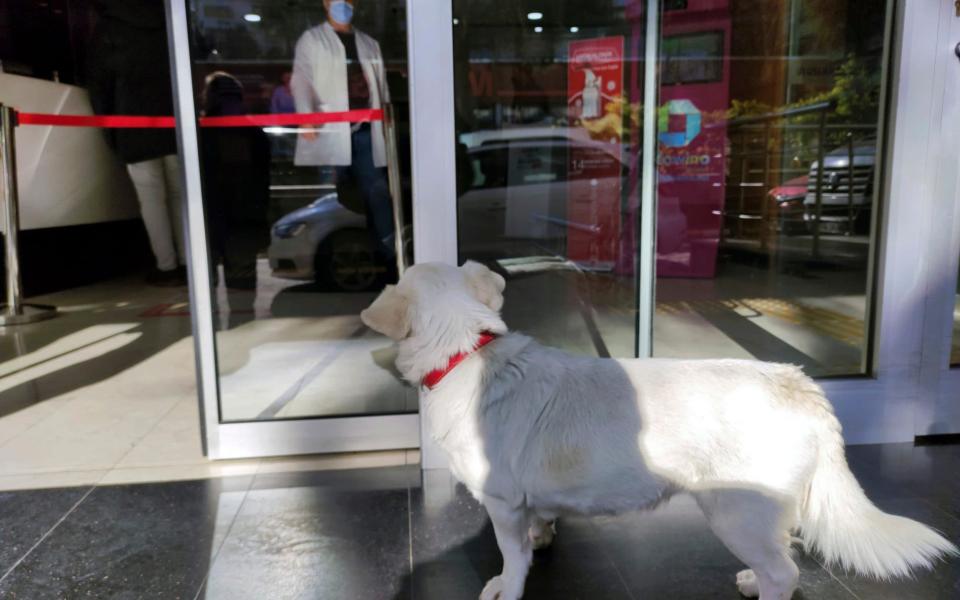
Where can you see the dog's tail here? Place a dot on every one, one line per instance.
(839, 520)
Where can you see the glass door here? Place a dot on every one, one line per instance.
(703, 179)
(940, 401)
(295, 133)
(768, 163)
(548, 133)
(573, 119)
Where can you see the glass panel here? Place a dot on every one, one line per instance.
(300, 217)
(760, 252)
(547, 99)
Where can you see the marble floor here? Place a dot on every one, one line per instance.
(106, 392)
(392, 534)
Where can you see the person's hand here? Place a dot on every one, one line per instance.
(308, 132)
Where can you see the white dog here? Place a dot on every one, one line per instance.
(534, 433)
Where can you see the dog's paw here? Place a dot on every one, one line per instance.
(747, 583)
(492, 590)
(541, 534)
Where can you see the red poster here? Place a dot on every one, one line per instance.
(594, 102)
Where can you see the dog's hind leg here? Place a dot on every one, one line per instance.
(755, 527)
(542, 531)
(510, 526)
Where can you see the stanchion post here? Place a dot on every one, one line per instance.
(818, 205)
(850, 175)
(396, 189)
(14, 312)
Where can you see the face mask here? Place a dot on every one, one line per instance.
(341, 12)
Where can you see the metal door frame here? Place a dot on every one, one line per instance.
(309, 435)
(938, 403)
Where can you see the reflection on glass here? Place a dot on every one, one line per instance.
(128, 74)
(300, 217)
(548, 193)
(760, 253)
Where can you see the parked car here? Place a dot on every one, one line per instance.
(788, 199)
(514, 203)
(520, 188)
(327, 242)
(840, 210)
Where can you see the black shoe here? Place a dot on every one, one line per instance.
(172, 278)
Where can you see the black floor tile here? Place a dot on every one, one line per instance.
(943, 583)
(454, 549)
(671, 553)
(26, 515)
(575, 569)
(355, 534)
(455, 553)
(132, 541)
(346, 480)
(893, 471)
(314, 541)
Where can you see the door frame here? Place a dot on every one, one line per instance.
(913, 392)
(293, 436)
(938, 406)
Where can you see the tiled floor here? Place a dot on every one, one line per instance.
(388, 533)
(106, 392)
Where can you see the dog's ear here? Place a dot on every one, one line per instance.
(388, 314)
(485, 285)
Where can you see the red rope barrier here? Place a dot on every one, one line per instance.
(113, 121)
(131, 121)
(347, 116)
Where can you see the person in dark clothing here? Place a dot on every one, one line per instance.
(236, 176)
(129, 74)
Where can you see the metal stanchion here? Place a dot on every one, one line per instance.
(765, 205)
(818, 207)
(14, 312)
(396, 189)
(850, 175)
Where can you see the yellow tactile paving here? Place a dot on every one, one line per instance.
(836, 325)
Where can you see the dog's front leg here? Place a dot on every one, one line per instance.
(510, 526)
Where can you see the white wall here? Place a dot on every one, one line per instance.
(65, 175)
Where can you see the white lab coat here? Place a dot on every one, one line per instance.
(319, 84)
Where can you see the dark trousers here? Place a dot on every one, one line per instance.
(372, 183)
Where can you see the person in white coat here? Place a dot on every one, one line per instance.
(338, 68)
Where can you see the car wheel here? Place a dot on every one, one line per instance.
(347, 261)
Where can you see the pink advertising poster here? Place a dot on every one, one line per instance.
(594, 98)
(691, 138)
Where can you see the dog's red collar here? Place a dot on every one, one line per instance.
(433, 377)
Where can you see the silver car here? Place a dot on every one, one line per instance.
(844, 206)
(514, 205)
(328, 243)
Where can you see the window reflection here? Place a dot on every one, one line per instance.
(760, 252)
(300, 217)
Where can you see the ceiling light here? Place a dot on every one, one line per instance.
(456, 21)
(535, 16)
(251, 18)
(538, 29)
(574, 29)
